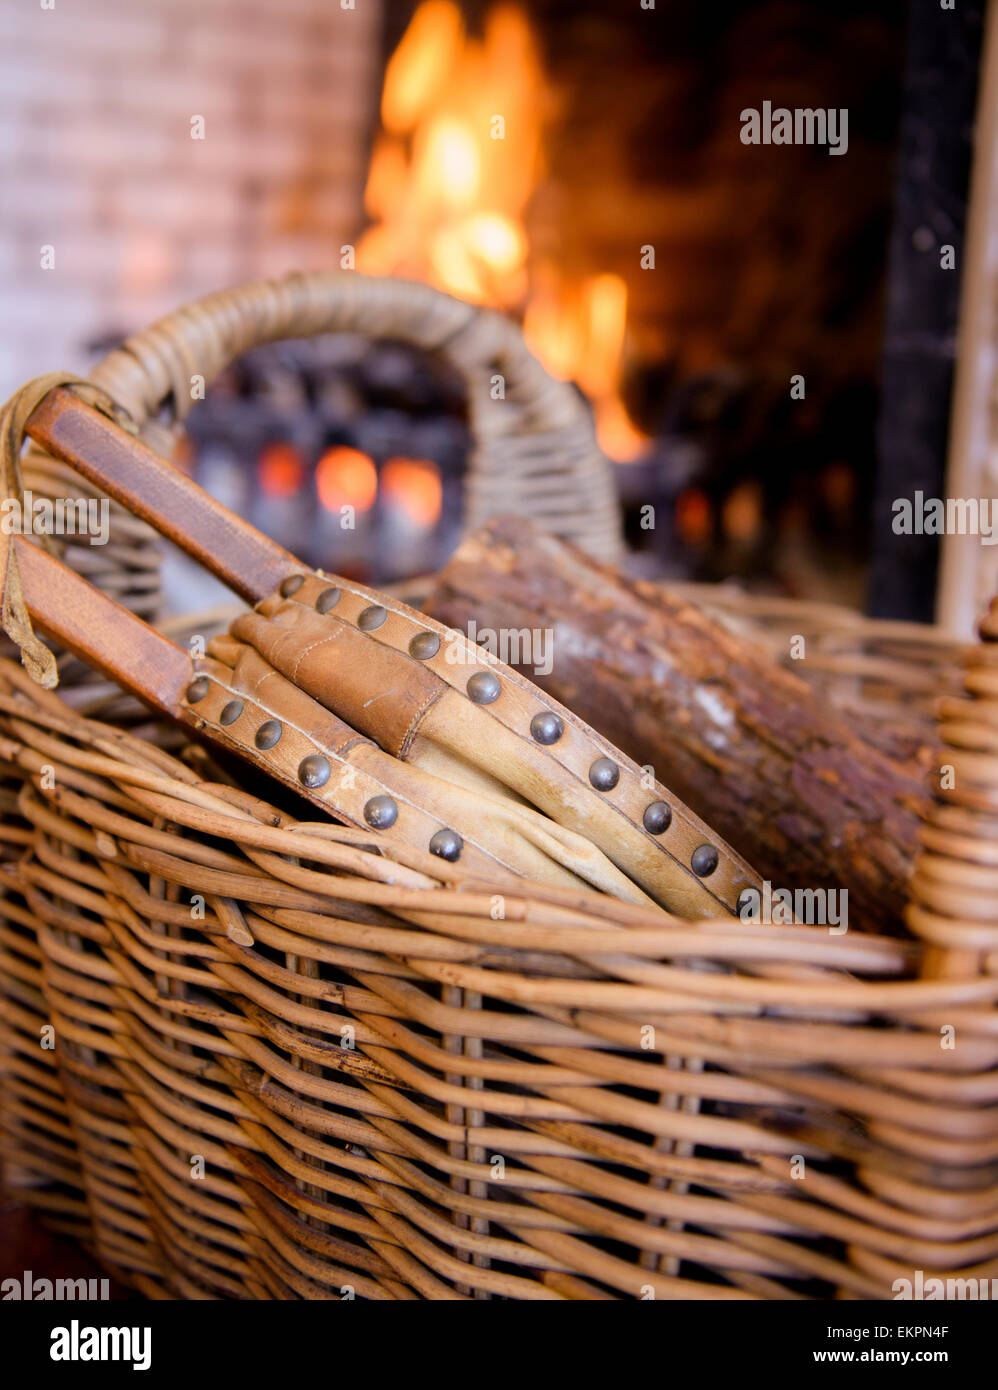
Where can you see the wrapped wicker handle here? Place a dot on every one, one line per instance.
(534, 449)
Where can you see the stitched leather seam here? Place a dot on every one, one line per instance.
(417, 719)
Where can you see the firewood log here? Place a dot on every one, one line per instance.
(748, 745)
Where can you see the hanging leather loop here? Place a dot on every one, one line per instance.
(36, 657)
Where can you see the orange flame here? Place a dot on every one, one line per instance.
(420, 64)
(452, 174)
(578, 333)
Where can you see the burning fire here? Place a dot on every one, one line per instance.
(280, 470)
(346, 478)
(452, 173)
(413, 485)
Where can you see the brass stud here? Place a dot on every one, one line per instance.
(291, 585)
(372, 618)
(604, 774)
(329, 598)
(703, 861)
(268, 734)
(657, 817)
(381, 812)
(447, 844)
(483, 687)
(424, 646)
(231, 712)
(314, 771)
(198, 689)
(546, 727)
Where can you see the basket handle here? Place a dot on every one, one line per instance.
(534, 449)
(953, 895)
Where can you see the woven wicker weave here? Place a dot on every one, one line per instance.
(505, 1123)
(535, 452)
(285, 1065)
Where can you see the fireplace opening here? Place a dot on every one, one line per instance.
(719, 304)
(349, 452)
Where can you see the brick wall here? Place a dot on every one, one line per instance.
(97, 159)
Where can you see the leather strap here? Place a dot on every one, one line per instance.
(240, 701)
(499, 840)
(426, 697)
(352, 649)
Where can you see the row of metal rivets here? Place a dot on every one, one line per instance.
(657, 819)
(546, 727)
(380, 812)
(604, 774)
(483, 688)
(267, 735)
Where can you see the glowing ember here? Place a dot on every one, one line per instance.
(694, 516)
(452, 173)
(346, 478)
(413, 485)
(280, 470)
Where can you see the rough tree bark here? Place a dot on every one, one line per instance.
(746, 744)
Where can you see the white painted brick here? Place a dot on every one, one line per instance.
(97, 143)
(84, 32)
(269, 43)
(332, 206)
(95, 139)
(11, 138)
(210, 264)
(38, 199)
(185, 12)
(37, 143)
(175, 95)
(25, 359)
(49, 303)
(60, 345)
(133, 312)
(93, 259)
(116, 143)
(31, 23)
(65, 243)
(228, 152)
(366, 15)
(316, 104)
(330, 153)
(174, 203)
(11, 375)
(26, 82)
(276, 255)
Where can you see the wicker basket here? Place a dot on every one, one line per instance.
(545, 1096)
(286, 1066)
